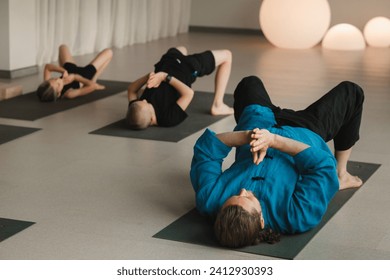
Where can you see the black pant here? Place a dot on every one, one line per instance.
(336, 115)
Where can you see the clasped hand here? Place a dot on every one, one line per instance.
(155, 79)
(68, 78)
(262, 139)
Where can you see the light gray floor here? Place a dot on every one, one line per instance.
(101, 197)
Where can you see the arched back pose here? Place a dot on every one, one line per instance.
(74, 81)
(168, 89)
(284, 174)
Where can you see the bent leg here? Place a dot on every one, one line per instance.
(64, 55)
(101, 61)
(339, 112)
(223, 63)
(339, 115)
(348, 133)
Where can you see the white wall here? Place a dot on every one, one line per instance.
(22, 33)
(358, 12)
(225, 13)
(4, 36)
(245, 13)
(17, 33)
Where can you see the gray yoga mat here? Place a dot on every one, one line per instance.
(28, 107)
(10, 132)
(197, 229)
(198, 118)
(9, 227)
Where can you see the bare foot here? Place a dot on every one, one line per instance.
(221, 110)
(349, 181)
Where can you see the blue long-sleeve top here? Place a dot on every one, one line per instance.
(294, 191)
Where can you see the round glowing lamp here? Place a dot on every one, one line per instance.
(344, 36)
(294, 24)
(377, 32)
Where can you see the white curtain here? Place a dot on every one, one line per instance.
(88, 26)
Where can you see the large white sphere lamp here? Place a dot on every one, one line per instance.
(344, 36)
(377, 32)
(294, 24)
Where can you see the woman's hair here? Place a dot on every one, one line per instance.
(137, 117)
(235, 227)
(46, 93)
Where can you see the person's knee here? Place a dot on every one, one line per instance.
(182, 49)
(354, 90)
(245, 85)
(63, 47)
(108, 53)
(228, 56)
(250, 81)
(222, 57)
(359, 92)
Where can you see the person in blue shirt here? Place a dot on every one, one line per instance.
(284, 174)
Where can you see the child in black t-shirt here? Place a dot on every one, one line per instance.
(168, 89)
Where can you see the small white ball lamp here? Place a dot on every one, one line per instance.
(294, 24)
(377, 32)
(344, 36)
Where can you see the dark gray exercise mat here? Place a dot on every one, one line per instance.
(10, 132)
(10, 227)
(28, 107)
(196, 229)
(199, 117)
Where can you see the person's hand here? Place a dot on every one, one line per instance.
(65, 74)
(69, 78)
(262, 139)
(155, 79)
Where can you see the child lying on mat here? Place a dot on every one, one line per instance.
(74, 80)
(168, 89)
(284, 175)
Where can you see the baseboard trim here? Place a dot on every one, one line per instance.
(243, 31)
(11, 74)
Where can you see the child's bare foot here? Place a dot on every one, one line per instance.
(222, 109)
(349, 181)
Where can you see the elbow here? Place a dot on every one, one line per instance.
(132, 91)
(46, 71)
(191, 93)
(129, 91)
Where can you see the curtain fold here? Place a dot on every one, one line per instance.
(88, 26)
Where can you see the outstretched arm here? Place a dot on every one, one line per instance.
(186, 93)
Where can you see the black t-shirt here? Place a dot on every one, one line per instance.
(163, 99)
(87, 72)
